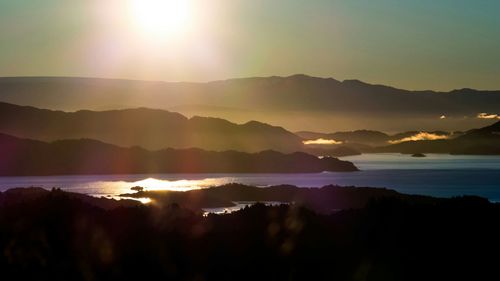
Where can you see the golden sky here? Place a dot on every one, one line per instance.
(424, 44)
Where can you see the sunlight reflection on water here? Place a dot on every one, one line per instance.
(113, 188)
(434, 175)
(177, 185)
(238, 206)
(143, 200)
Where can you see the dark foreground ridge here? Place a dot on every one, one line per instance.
(22, 157)
(57, 236)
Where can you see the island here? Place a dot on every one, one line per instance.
(24, 157)
(322, 200)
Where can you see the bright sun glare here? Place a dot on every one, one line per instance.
(162, 18)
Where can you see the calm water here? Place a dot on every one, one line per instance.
(436, 175)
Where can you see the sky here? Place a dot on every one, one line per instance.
(425, 44)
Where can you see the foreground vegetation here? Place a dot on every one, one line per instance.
(57, 236)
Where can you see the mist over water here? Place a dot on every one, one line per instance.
(434, 175)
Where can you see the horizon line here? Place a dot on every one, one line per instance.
(247, 77)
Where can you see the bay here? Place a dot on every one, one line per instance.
(435, 175)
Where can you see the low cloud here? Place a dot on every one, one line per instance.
(420, 136)
(321, 141)
(485, 115)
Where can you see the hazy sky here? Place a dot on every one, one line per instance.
(424, 44)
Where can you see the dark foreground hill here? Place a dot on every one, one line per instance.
(59, 237)
(148, 128)
(22, 157)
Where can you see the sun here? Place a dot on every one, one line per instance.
(161, 18)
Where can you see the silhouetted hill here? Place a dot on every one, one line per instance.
(479, 141)
(148, 128)
(320, 104)
(22, 157)
(491, 132)
(326, 200)
(19, 196)
(59, 237)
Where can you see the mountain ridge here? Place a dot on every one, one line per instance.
(277, 77)
(318, 104)
(149, 128)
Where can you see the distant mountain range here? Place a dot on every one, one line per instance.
(148, 128)
(297, 102)
(23, 157)
(155, 129)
